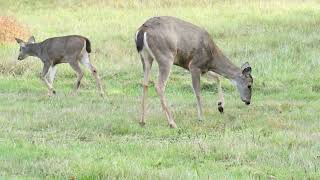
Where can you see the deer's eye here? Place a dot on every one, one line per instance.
(249, 86)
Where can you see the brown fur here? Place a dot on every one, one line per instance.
(174, 41)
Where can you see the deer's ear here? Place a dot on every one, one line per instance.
(31, 40)
(246, 68)
(19, 41)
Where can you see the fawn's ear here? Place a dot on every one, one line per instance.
(19, 41)
(31, 40)
(246, 68)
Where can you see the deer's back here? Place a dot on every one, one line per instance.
(60, 48)
(185, 40)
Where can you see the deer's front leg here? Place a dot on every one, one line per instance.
(195, 74)
(215, 76)
(43, 75)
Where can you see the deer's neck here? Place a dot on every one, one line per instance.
(223, 66)
(35, 49)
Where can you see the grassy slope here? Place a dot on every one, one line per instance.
(89, 137)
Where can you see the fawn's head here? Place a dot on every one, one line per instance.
(25, 50)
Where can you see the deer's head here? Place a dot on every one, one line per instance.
(244, 83)
(24, 47)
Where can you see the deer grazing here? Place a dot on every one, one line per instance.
(67, 49)
(169, 41)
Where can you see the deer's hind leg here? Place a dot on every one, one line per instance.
(86, 62)
(165, 58)
(215, 76)
(165, 65)
(76, 67)
(146, 61)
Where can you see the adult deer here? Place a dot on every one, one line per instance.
(169, 41)
(67, 49)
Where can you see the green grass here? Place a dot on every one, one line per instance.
(87, 137)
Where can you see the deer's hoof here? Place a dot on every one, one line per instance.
(142, 124)
(50, 94)
(173, 126)
(220, 108)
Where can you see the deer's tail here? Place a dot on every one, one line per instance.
(139, 39)
(88, 45)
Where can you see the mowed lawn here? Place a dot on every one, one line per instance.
(85, 136)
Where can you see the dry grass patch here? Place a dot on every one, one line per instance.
(10, 28)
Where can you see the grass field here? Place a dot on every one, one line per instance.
(88, 137)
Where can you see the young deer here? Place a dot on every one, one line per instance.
(67, 49)
(169, 41)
